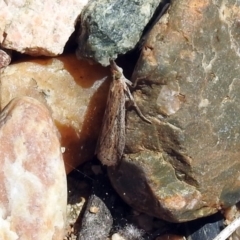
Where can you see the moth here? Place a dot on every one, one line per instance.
(111, 141)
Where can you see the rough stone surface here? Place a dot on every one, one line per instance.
(112, 27)
(97, 220)
(185, 165)
(75, 92)
(5, 57)
(32, 177)
(38, 27)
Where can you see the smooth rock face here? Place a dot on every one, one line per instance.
(38, 27)
(112, 27)
(33, 190)
(74, 91)
(185, 165)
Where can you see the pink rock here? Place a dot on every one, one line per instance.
(38, 27)
(33, 193)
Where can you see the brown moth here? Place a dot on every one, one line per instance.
(111, 141)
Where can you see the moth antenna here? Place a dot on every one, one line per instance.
(115, 67)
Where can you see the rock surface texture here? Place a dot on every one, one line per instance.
(112, 27)
(97, 220)
(185, 165)
(74, 91)
(33, 190)
(38, 27)
(5, 57)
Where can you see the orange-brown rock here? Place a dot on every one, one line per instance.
(33, 190)
(74, 91)
(185, 165)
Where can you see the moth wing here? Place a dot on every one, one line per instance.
(111, 141)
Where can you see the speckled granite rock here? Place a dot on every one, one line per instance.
(33, 186)
(75, 92)
(112, 27)
(185, 165)
(97, 220)
(38, 27)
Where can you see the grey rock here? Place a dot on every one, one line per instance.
(206, 228)
(112, 27)
(185, 165)
(97, 220)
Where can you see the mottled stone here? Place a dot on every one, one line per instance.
(112, 27)
(74, 91)
(5, 57)
(33, 189)
(38, 27)
(185, 165)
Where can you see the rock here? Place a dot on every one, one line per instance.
(33, 181)
(74, 91)
(78, 192)
(38, 27)
(129, 232)
(116, 236)
(185, 165)
(73, 212)
(5, 57)
(112, 27)
(206, 228)
(97, 220)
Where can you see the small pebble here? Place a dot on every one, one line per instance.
(94, 209)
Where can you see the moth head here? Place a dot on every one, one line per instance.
(116, 70)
